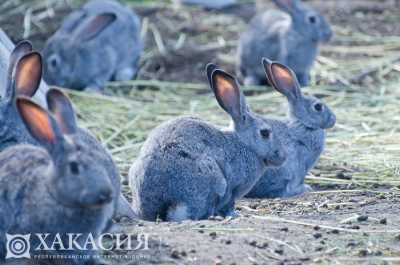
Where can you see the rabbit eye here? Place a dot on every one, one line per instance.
(265, 133)
(53, 62)
(74, 167)
(318, 107)
(312, 19)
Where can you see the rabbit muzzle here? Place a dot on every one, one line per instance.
(331, 122)
(98, 198)
(326, 35)
(279, 157)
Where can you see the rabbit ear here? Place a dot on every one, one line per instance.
(95, 26)
(60, 105)
(22, 48)
(267, 68)
(282, 79)
(209, 70)
(38, 122)
(228, 95)
(289, 6)
(28, 74)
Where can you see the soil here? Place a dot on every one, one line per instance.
(324, 227)
(320, 228)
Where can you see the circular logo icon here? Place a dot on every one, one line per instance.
(18, 246)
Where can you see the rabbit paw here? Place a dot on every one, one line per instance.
(307, 188)
(232, 214)
(298, 191)
(124, 74)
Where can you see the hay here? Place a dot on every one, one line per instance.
(362, 150)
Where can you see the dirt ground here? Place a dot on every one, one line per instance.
(353, 225)
(350, 227)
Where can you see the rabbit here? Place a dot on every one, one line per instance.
(304, 136)
(6, 49)
(95, 44)
(58, 102)
(190, 169)
(55, 188)
(209, 4)
(23, 79)
(291, 36)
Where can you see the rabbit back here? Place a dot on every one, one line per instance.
(290, 35)
(264, 37)
(113, 54)
(171, 171)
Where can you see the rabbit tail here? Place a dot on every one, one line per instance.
(178, 212)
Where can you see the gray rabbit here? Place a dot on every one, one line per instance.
(58, 102)
(291, 36)
(6, 49)
(58, 188)
(189, 169)
(23, 79)
(95, 44)
(304, 136)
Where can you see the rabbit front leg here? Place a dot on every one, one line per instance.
(229, 210)
(297, 191)
(98, 83)
(125, 74)
(125, 209)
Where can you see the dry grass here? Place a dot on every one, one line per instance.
(358, 76)
(363, 145)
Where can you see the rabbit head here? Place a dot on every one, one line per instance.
(252, 130)
(24, 75)
(76, 180)
(308, 110)
(306, 20)
(63, 67)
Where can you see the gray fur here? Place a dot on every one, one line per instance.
(12, 130)
(56, 189)
(76, 59)
(57, 100)
(303, 134)
(212, 4)
(287, 36)
(6, 48)
(190, 169)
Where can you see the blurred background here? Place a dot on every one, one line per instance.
(357, 74)
(180, 41)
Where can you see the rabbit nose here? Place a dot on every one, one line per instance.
(105, 196)
(280, 156)
(333, 121)
(328, 34)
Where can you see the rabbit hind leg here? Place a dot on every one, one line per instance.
(178, 212)
(125, 74)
